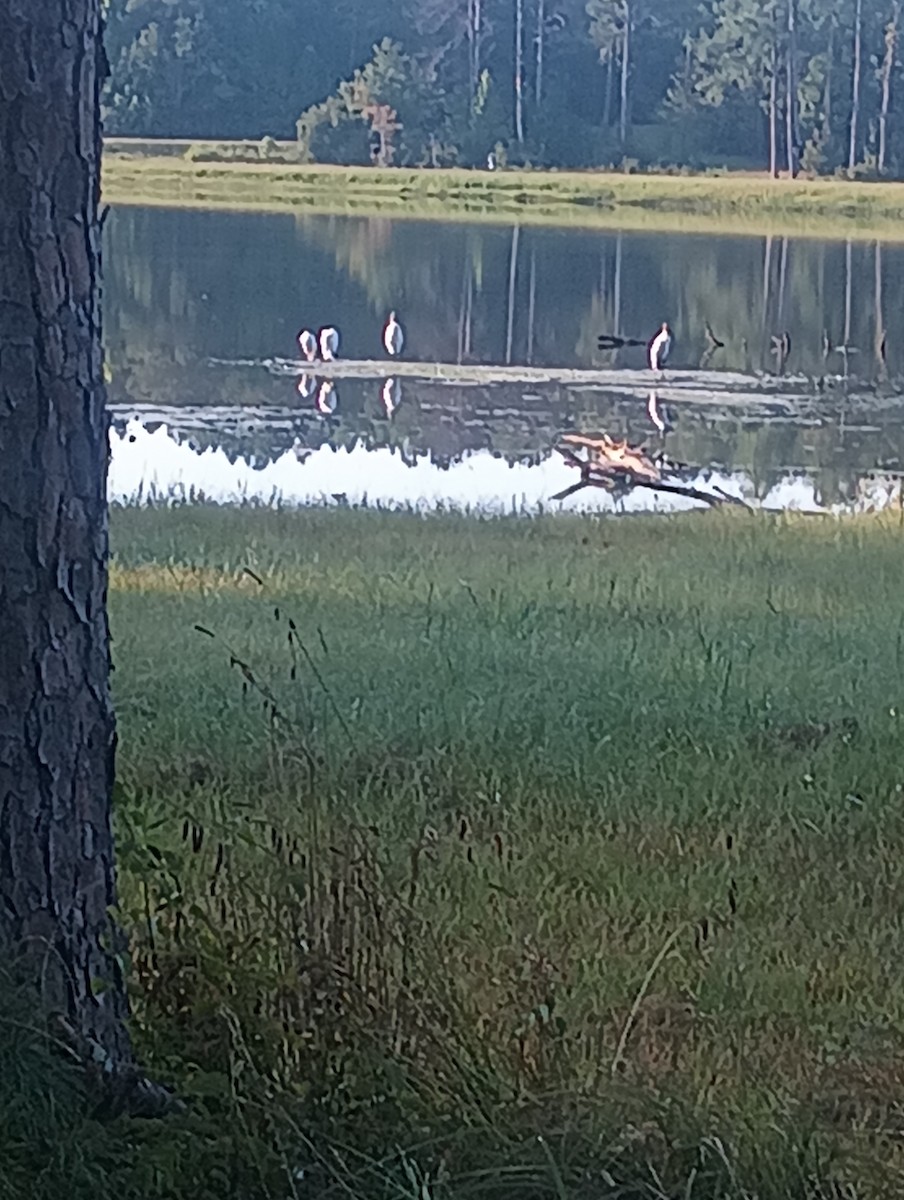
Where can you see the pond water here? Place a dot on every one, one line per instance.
(202, 310)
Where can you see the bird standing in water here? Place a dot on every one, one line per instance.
(393, 336)
(328, 340)
(307, 343)
(659, 348)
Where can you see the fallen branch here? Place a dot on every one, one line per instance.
(615, 465)
(605, 454)
(714, 499)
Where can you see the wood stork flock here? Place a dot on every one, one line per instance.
(323, 346)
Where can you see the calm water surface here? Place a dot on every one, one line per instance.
(200, 304)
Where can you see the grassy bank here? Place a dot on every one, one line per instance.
(731, 203)
(500, 859)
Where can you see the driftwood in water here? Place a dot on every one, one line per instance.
(715, 343)
(615, 466)
(607, 455)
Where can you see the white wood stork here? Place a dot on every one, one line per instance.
(328, 340)
(307, 344)
(659, 347)
(393, 336)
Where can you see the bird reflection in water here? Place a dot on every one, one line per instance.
(660, 414)
(391, 396)
(305, 386)
(327, 397)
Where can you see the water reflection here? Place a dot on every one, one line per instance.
(391, 396)
(661, 417)
(260, 416)
(491, 293)
(327, 397)
(766, 316)
(152, 463)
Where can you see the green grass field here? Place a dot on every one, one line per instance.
(508, 858)
(732, 202)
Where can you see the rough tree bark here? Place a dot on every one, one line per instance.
(56, 718)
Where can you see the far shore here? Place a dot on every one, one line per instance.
(189, 175)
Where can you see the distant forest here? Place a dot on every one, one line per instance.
(792, 85)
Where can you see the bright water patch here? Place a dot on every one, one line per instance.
(154, 465)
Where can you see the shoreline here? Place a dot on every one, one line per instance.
(730, 203)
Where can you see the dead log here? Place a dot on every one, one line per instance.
(606, 454)
(614, 465)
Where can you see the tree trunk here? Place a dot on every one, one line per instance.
(56, 718)
(827, 92)
(474, 32)
(519, 71)
(888, 62)
(541, 33)
(773, 116)
(625, 69)
(855, 85)
(791, 125)
(607, 99)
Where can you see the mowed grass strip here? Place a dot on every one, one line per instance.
(733, 202)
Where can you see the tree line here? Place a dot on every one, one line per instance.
(786, 84)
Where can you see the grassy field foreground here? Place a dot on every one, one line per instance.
(733, 202)
(554, 858)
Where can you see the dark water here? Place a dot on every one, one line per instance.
(192, 295)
